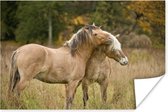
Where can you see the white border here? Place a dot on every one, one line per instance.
(143, 87)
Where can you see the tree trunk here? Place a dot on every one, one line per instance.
(49, 29)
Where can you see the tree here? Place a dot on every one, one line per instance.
(111, 16)
(8, 20)
(43, 21)
(150, 16)
(36, 21)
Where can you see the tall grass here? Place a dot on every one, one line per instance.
(143, 63)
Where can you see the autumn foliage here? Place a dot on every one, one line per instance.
(150, 16)
(28, 22)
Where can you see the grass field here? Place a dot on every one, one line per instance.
(143, 63)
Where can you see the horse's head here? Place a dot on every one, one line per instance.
(114, 51)
(88, 35)
(97, 35)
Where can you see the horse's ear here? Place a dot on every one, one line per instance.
(93, 24)
(100, 27)
(118, 35)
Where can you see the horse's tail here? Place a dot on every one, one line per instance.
(14, 73)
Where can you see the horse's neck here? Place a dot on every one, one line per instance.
(98, 55)
(85, 52)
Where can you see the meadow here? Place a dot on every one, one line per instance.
(143, 63)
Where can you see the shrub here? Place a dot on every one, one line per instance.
(137, 41)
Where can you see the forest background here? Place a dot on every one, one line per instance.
(54, 22)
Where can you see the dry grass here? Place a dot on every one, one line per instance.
(143, 63)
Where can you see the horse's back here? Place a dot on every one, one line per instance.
(31, 47)
(31, 51)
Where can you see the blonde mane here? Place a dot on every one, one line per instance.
(79, 39)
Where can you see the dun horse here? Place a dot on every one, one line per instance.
(98, 67)
(65, 65)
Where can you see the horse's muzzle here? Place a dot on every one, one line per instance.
(124, 61)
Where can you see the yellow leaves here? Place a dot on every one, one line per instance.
(145, 25)
(152, 13)
(137, 6)
(129, 7)
(79, 20)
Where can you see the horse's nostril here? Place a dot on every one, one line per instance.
(126, 62)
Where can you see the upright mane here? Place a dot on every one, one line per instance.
(82, 37)
(116, 45)
(99, 51)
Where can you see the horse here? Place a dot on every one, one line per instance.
(98, 68)
(64, 65)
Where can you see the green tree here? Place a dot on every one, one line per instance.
(111, 16)
(37, 21)
(8, 20)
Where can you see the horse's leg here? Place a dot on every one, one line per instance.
(70, 92)
(21, 85)
(85, 92)
(66, 93)
(103, 88)
(25, 76)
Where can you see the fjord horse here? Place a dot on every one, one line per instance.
(98, 67)
(65, 65)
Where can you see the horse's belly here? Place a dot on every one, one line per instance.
(52, 77)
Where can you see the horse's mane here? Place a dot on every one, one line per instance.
(82, 37)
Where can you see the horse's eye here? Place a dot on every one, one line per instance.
(95, 34)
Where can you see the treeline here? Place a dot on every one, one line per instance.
(53, 21)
